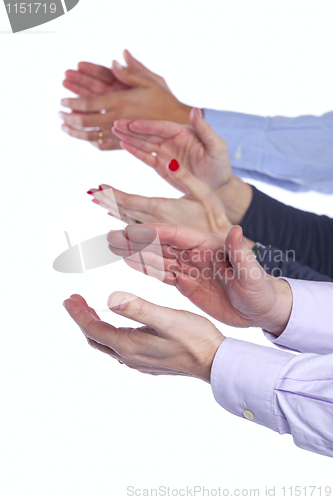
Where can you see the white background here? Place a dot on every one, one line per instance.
(74, 423)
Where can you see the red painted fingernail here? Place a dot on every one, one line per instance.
(173, 165)
(95, 201)
(100, 187)
(92, 191)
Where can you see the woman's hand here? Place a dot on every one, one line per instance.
(221, 277)
(199, 149)
(200, 207)
(120, 92)
(170, 342)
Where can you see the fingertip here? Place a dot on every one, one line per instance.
(117, 65)
(117, 301)
(195, 114)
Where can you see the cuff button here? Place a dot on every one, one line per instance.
(248, 414)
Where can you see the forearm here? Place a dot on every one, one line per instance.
(306, 236)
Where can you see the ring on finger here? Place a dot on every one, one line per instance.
(100, 135)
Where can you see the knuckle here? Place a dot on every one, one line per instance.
(156, 203)
(84, 121)
(125, 351)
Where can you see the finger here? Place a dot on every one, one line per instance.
(136, 65)
(162, 129)
(178, 236)
(93, 103)
(101, 73)
(89, 135)
(187, 182)
(129, 77)
(76, 88)
(104, 349)
(130, 201)
(138, 141)
(212, 141)
(158, 261)
(242, 259)
(141, 217)
(94, 85)
(87, 120)
(137, 309)
(122, 130)
(114, 211)
(97, 330)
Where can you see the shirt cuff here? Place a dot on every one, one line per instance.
(243, 379)
(309, 328)
(243, 134)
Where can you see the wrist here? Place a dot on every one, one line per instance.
(278, 319)
(183, 114)
(207, 361)
(236, 196)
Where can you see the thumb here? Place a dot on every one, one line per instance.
(137, 66)
(246, 267)
(187, 182)
(211, 140)
(129, 76)
(142, 311)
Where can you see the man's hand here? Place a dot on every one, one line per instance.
(122, 92)
(221, 277)
(170, 342)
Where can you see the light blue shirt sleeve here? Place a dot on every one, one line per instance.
(292, 153)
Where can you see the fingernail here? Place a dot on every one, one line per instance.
(119, 302)
(173, 165)
(91, 191)
(110, 214)
(199, 112)
(100, 187)
(95, 201)
(118, 65)
(241, 239)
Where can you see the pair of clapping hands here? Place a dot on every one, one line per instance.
(211, 264)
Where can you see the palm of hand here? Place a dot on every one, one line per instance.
(190, 152)
(226, 300)
(208, 213)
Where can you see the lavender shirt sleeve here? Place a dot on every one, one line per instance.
(309, 328)
(286, 392)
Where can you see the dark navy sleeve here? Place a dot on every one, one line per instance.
(278, 263)
(305, 236)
